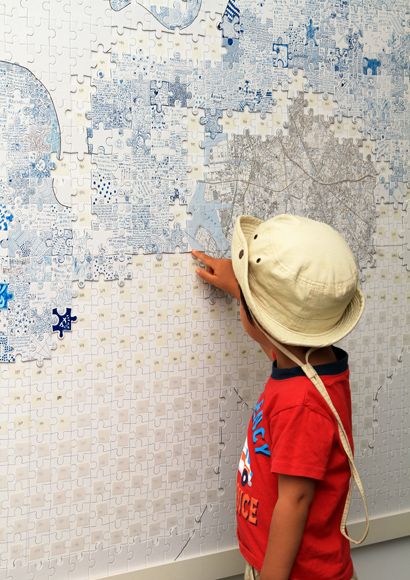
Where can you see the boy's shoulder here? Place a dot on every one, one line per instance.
(289, 387)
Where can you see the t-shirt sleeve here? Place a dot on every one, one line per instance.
(302, 440)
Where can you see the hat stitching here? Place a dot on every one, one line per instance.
(313, 282)
(287, 269)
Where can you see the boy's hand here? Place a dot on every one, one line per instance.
(219, 273)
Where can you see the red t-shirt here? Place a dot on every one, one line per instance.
(292, 431)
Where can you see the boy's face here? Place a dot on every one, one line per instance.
(253, 330)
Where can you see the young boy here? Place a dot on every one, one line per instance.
(297, 283)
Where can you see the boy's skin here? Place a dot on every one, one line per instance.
(295, 494)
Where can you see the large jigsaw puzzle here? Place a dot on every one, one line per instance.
(130, 133)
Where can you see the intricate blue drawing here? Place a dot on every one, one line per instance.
(60, 243)
(145, 112)
(119, 4)
(232, 10)
(178, 93)
(230, 24)
(148, 123)
(5, 218)
(372, 65)
(180, 14)
(64, 321)
(205, 216)
(159, 94)
(5, 296)
(211, 122)
(176, 14)
(6, 351)
(280, 55)
(111, 267)
(35, 232)
(311, 31)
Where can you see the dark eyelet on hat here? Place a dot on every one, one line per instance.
(255, 236)
(241, 253)
(258, 260)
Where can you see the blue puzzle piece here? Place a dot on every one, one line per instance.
(5, 295)
(210, 122)
(64, 322)
(372, 65)
(6, 217)
(159, 94)
(178, 92)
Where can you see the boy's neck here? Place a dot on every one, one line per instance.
(318, 357)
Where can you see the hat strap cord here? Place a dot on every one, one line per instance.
(312, 375)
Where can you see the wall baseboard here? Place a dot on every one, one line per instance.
(230, 562)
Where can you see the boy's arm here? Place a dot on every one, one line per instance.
(295, 494)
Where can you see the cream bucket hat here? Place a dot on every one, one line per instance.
(299, 279)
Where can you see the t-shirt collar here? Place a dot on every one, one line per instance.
(333, 368)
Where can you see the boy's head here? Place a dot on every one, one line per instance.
(298, 278)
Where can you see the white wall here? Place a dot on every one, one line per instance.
(382, 561)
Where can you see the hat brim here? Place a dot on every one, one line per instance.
(245, 227)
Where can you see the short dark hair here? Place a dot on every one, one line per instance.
(246, 308)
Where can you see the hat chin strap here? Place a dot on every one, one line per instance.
(312, 375)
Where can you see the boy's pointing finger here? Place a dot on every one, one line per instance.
(204, 258)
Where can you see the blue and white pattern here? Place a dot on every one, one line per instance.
(173, 14)
(35, 233)
(296, 111)
(340, 59)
